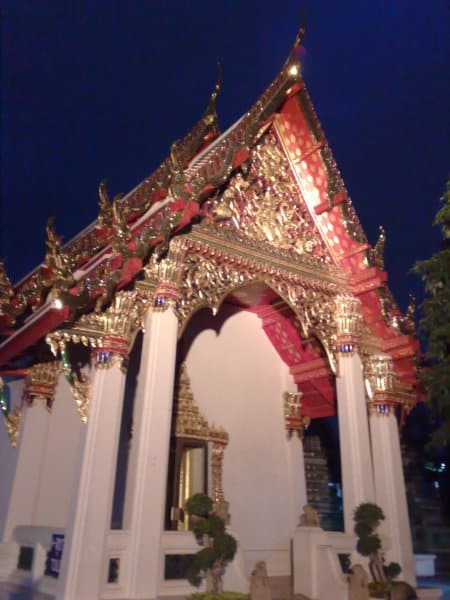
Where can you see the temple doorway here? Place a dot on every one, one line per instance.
(237, 376)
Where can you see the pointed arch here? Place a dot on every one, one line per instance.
(207, 275)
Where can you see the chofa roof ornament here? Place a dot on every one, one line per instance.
(292, 65)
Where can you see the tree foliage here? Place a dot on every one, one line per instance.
(435, 324)
(367, 517)
(219, 547)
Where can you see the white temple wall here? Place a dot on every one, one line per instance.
(38, 475)
(8, 456)
(238, 379)
(60, 460)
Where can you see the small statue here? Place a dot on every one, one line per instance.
(57, 260)
(259, 583)
(358, 583)
(6, 289)
(408, 323)
(105, 215)
(376, 254)
(310, 517)
(122, 230)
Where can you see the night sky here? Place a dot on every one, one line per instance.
(99, 89)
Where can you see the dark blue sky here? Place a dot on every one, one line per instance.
(94, 90)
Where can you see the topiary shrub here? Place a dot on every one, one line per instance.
(219, 547)
(380, 589)
(367, 517)
(392, 570)
(219, 596)
(368, 514)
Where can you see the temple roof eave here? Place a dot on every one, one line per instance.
(165, 202)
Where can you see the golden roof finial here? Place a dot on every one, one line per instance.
(53, 242)
(292, 65)
(6, 289)
(105, 209)
(61, 277)
(210, 115)
(122, 229)
(302, 30)
(408, 322)
(376, 254)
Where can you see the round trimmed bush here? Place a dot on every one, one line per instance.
(368, 544)
(199, 505)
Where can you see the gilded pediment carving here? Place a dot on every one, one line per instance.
(262, 205)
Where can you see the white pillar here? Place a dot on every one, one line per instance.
(390, 492)
(296, 469)
(27, 479)
(295, 424)
(387, 463)
(147, 482)
(354, 441)
(83, 569)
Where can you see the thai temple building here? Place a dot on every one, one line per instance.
(184, 342)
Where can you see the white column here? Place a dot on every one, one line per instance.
(354, 441)
(83, 569)
(146, 488)
(387, 463)
(390, 492)
(295, 424)
(296, 467)
(27, 479)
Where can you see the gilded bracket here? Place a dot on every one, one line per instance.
(109, 334)
(11, 418)
(295, 421)
(348, 321)
(41, 382)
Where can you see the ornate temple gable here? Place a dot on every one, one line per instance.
(267, 193)
(161, 205)
(320, 182)
(261, 206)
(324, 193)
(211, 268)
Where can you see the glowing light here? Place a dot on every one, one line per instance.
(58, 303)
(293, 70)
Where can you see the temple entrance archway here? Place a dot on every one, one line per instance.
(240, 362)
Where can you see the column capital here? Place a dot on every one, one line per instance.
(110, 333)
(161, 283)
(380, 384)
(348, 323)
(40, 383)
(12, 418)
(294, 420)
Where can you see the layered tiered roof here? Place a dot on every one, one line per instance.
(86, 272)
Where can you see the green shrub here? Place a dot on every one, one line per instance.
(367, 517)
(219, 547)
(225, 546)
(380, 589)
(392, 570)
(204, 558)
(368, 544)
(368, 513)
(219, 596)
(362, 529)
(199, 505)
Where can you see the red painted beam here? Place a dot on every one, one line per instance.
(32, 332)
